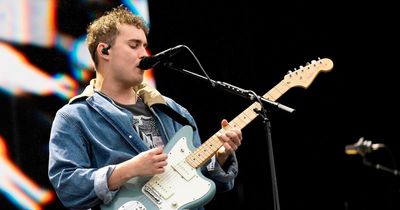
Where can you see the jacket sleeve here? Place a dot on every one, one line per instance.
(76, 183)
(224, 177)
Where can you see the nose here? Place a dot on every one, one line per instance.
(143, 52)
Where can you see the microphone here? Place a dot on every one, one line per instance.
(362, 147)
(151, 61)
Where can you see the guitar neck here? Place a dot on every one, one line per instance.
(204, 153)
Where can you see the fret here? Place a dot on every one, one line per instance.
(198, 158)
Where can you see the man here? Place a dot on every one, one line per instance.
(116, 129)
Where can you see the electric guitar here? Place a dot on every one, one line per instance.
(182, 185)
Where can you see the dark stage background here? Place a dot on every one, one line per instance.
(253, 44)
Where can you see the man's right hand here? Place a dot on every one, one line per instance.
(147, 163)
(150, 162)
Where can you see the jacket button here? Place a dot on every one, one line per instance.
(130, 136)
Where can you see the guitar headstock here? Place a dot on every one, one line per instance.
(305, 75)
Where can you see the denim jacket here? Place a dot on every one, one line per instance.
(91, 134)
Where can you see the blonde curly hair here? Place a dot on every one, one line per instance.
(104, 29)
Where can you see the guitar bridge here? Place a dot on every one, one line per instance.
(153, 195)
(132, 205)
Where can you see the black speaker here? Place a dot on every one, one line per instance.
(105, 50)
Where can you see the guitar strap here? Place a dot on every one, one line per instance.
(174, 115)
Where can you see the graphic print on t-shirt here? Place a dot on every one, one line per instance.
(147, 130)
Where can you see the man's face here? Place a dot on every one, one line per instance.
(125, 54)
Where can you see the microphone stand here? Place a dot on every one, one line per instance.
(233, 89)
(380, 167)
(262, 112)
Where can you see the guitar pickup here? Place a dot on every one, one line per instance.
(159, 187)
(185, 170)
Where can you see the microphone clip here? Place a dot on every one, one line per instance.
(362, 147)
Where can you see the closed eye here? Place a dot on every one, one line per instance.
(134, 43)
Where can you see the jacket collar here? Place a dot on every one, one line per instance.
(149, 94)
